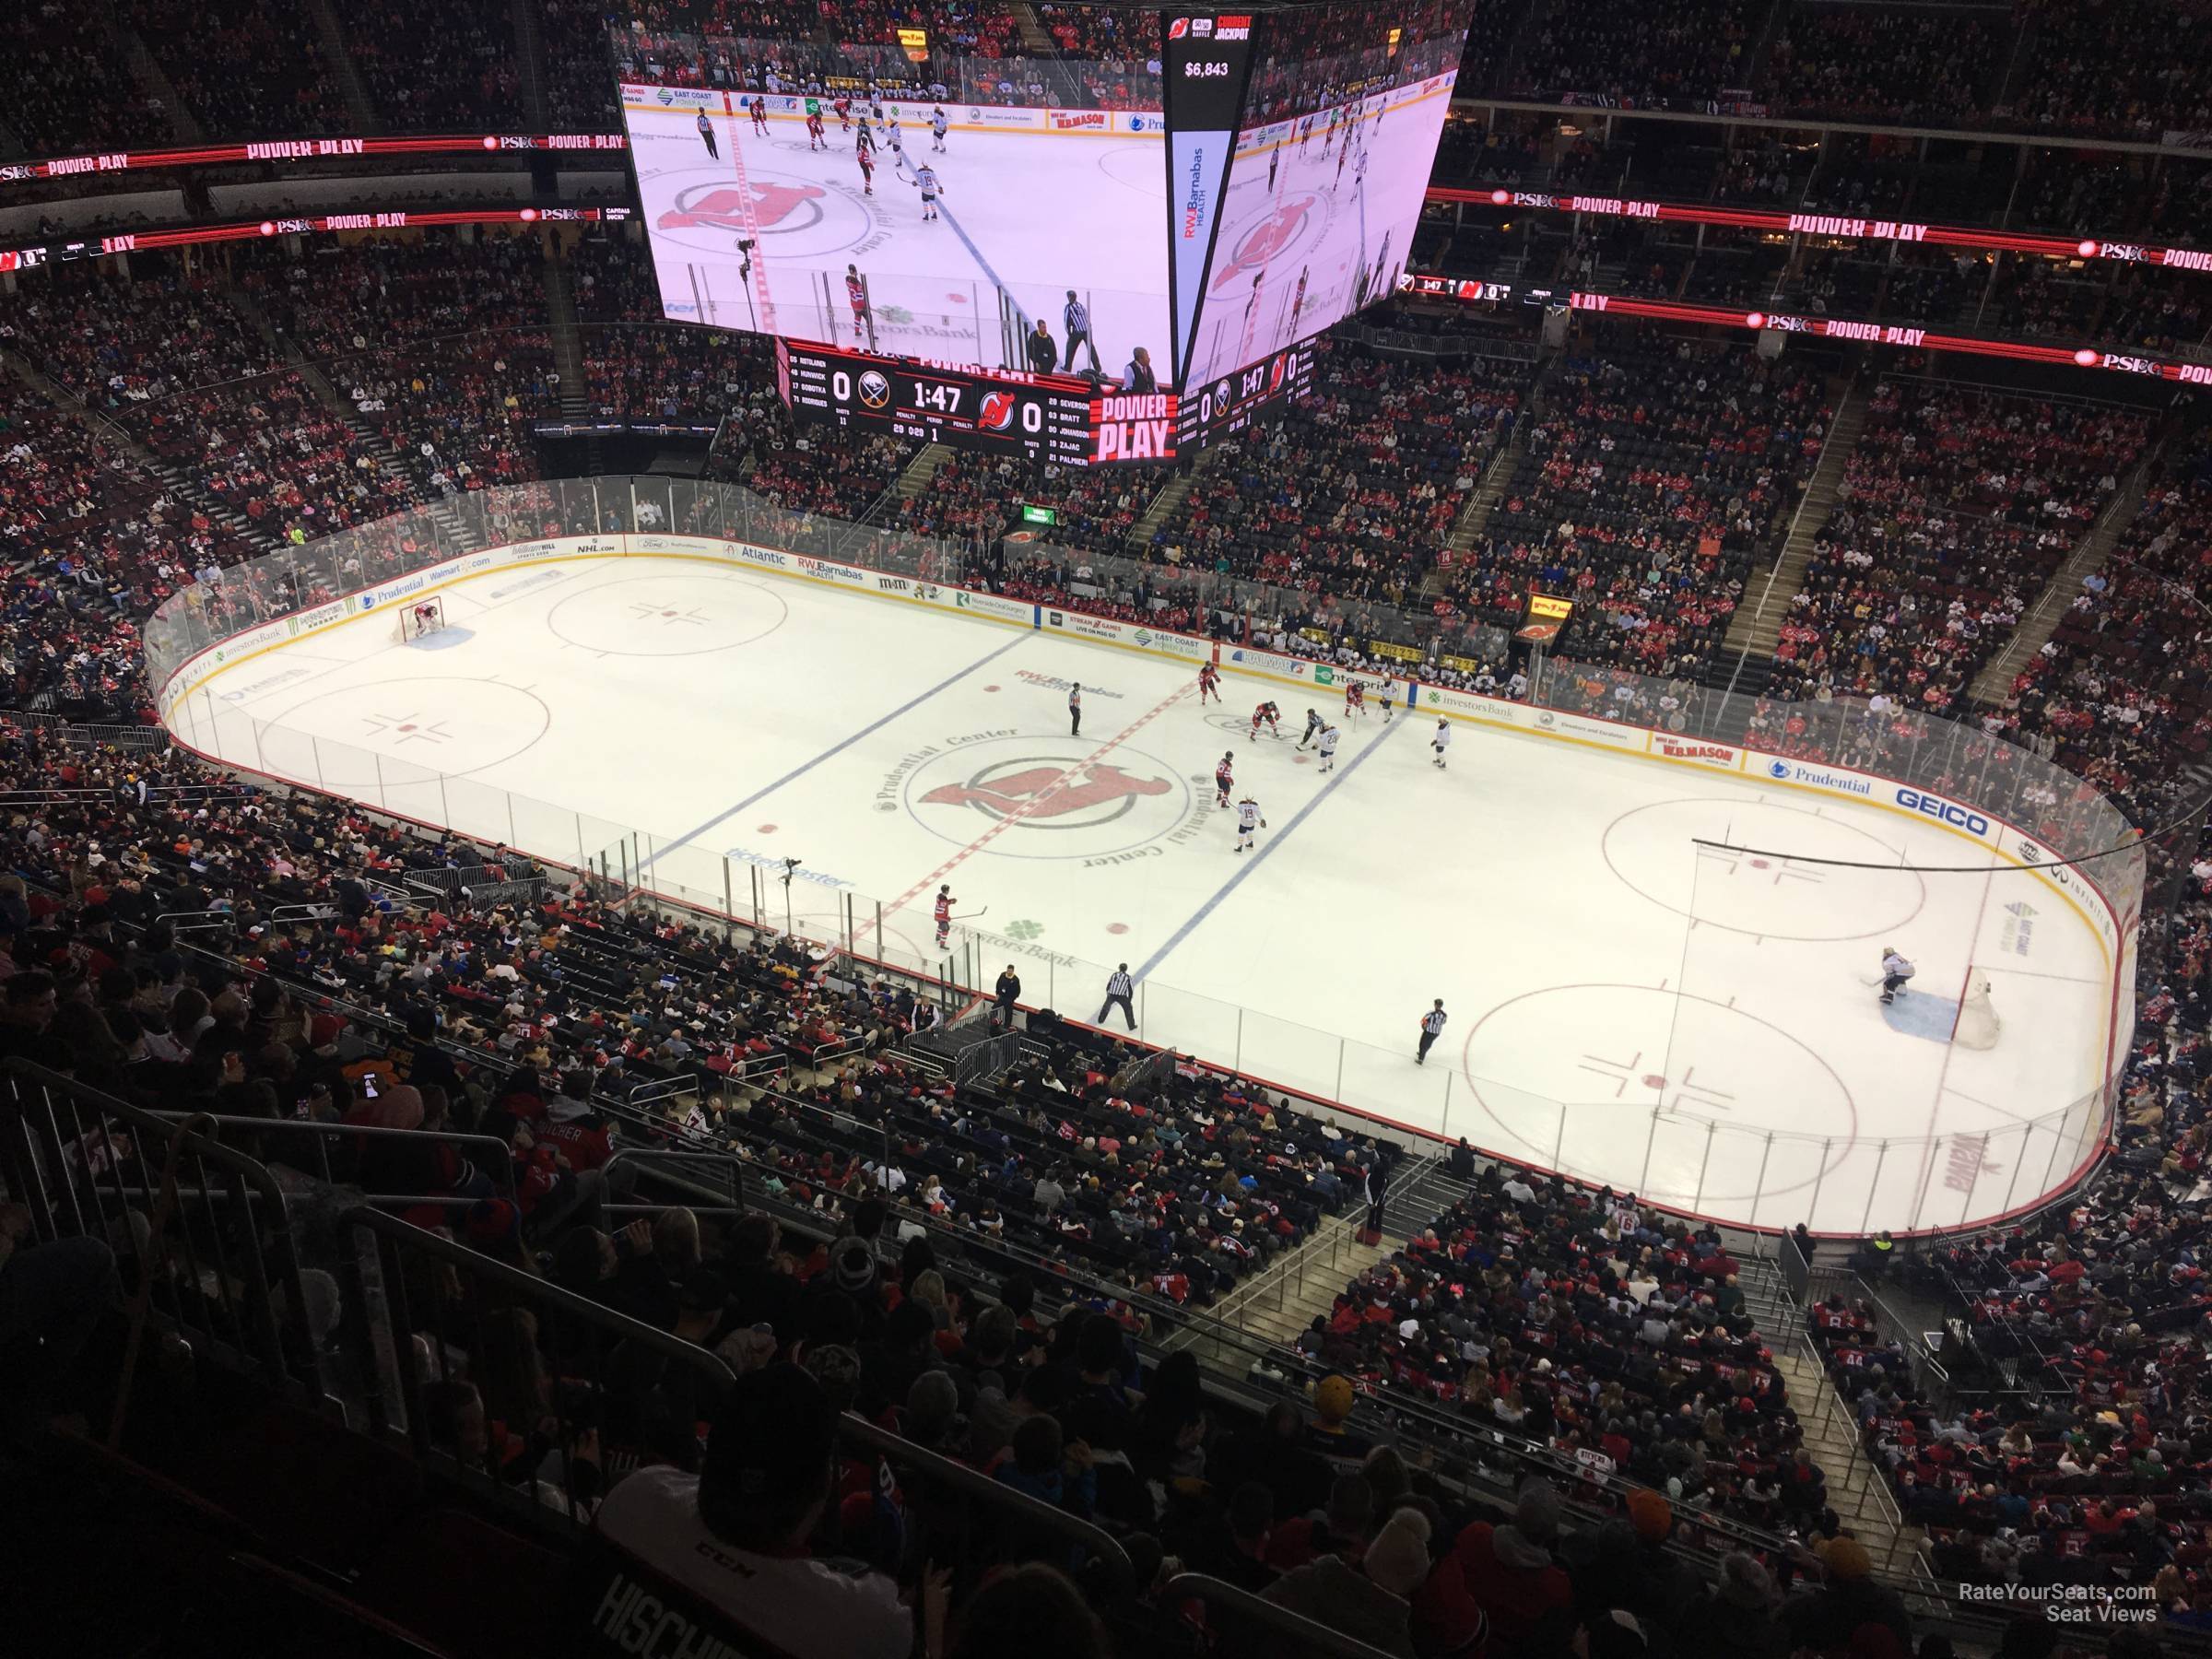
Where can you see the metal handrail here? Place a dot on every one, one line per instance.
(856, 1430)
(1282, 1623)
(46, 1122)
(325, 1133)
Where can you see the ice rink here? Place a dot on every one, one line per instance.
(1014, 203)
(1696, 1025)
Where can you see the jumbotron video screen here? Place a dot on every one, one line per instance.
(1176, 198)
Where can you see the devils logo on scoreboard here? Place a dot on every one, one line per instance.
(721, 206)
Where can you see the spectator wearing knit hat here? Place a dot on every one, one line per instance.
(1739, 1617)
(1827, 1618)
(1369, 1602)
(1504, 1574)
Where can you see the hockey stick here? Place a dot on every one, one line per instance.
(965, 915)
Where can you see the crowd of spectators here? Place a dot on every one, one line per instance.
(1356, 491)
(1956, 510)
(1675, 55)
(1579, 1320)
(1651, 480)
(1866, 63)
(244, 70)
(2088, 1475)
(430, 68)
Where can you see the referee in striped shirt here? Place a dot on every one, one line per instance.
(1119, 988)
(1076, 316)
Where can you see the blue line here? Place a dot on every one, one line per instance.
(828, 754)
(976, 253)
(1260, 855)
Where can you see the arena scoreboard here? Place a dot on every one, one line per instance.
(1051, 417)
(1125, 267)
(1226, 406)
(1043, 417)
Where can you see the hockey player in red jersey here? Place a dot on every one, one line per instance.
(843, 107)
(1354, 697)
(943, 911)
(758, 109)
(1224, 777)
(1209, 683)
(1265, 715)
(814, 131)
(857, 291)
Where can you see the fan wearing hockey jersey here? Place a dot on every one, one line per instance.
(1896, 970)
(1269, 715)
(1328, 748)
(1248, 820)
(1441, 742)
(1224, 777)
(1315, 724)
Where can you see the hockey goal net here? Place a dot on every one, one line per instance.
(421, 617)
(1976, 1025)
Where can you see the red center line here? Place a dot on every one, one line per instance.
(1040, 799)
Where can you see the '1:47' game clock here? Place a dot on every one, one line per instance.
(1043, 417)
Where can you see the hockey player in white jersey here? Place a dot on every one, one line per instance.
(1896, 970)
(1441, 742)
(937, 125)
(1328, 748)
(925, 181)
(1248, 820)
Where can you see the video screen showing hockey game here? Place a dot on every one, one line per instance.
(918, 199)
(1333, 150)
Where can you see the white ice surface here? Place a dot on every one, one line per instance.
(683, 713)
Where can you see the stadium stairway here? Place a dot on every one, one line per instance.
(155, 86)
(1993, 684)
(1756, 629)
(1035, 41)
(1164, 504)
(915, 479)
(359, 109)
(567, 348)
(530, 61)
(1277, 1305)
(1857, 1490)
(181, 482)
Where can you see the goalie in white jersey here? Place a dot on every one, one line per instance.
(1328, 748)
(1896, 970)
(1248, 820)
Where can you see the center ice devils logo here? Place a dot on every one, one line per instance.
(1265, 240)
(1045, 797)
(721, 206)
(1048, 793)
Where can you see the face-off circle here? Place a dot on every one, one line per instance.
(1052, 799)
(1654, 851)
(668, 615)
(1571, 1076)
